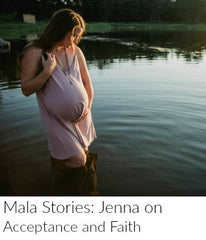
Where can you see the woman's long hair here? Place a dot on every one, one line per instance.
(61, 23)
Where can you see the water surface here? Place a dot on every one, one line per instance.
(148, 111)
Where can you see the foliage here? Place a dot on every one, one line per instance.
(192, 11)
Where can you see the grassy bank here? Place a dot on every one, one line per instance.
(17, 30)
(12, 30)
(109, 27)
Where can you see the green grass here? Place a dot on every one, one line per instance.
(12, 30)
(17, 30)
(98, 27)
(160, 26)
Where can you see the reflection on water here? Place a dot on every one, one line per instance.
(149, 45)
(148, 110)
(103, 49)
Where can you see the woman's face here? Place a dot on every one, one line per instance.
(72, 38)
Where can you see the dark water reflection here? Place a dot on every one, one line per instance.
(149, 45)
(149, 113)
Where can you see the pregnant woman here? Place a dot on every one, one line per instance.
(55, 69)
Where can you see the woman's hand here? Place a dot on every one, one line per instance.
(86, 112)
(48, 62)
(32, 79)
(83, 115)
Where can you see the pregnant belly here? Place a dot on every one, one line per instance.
(67, 105)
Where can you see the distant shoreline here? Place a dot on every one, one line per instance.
(12, 30)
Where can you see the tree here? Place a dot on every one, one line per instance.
(192, 11)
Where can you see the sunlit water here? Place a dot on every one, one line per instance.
(149, 114)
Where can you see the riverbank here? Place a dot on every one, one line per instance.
(12, 30)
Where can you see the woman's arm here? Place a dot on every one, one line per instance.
(32, 80)
(85, 76)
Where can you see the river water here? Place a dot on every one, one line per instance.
(148, 110)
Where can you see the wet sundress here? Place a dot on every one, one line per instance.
(62, 100)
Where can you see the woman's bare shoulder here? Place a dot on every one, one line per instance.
(79, 53)
(30, 57)
(32, 51)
